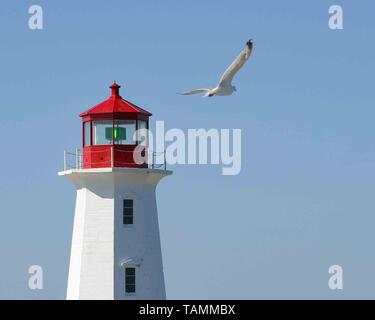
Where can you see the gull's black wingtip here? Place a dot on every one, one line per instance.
(250, 43)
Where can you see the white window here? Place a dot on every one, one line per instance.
(86, 134)
(102, 132)
(124, 131)
(142, 132)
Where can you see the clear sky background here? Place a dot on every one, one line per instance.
(305, 103)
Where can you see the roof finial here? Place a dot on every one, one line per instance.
(115, 89)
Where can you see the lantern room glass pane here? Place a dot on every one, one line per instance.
(124, 131)
(86, 134)
(142, 132)
(102, 132)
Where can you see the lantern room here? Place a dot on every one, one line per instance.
(112, 131)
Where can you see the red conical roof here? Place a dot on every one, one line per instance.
(115, 104)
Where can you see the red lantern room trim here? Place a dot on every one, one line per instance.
(107, 132)
(115, 104)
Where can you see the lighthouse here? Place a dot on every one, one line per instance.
(115, 250)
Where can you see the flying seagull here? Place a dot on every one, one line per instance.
(225, 87)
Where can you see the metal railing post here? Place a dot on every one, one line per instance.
(77, 158)
(65, 156)
(112, 157)
(165, 161)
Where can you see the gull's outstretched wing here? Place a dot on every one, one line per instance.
(194, 91)
(236, 65)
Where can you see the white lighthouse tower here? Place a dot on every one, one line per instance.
(116, 251)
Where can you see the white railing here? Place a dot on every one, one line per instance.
(74, 160)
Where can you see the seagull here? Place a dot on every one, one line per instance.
(225, 87)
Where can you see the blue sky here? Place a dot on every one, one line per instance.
(305, 104)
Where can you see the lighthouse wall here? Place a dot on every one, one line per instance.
(138, 245)
(91, 261)
(102, 246)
